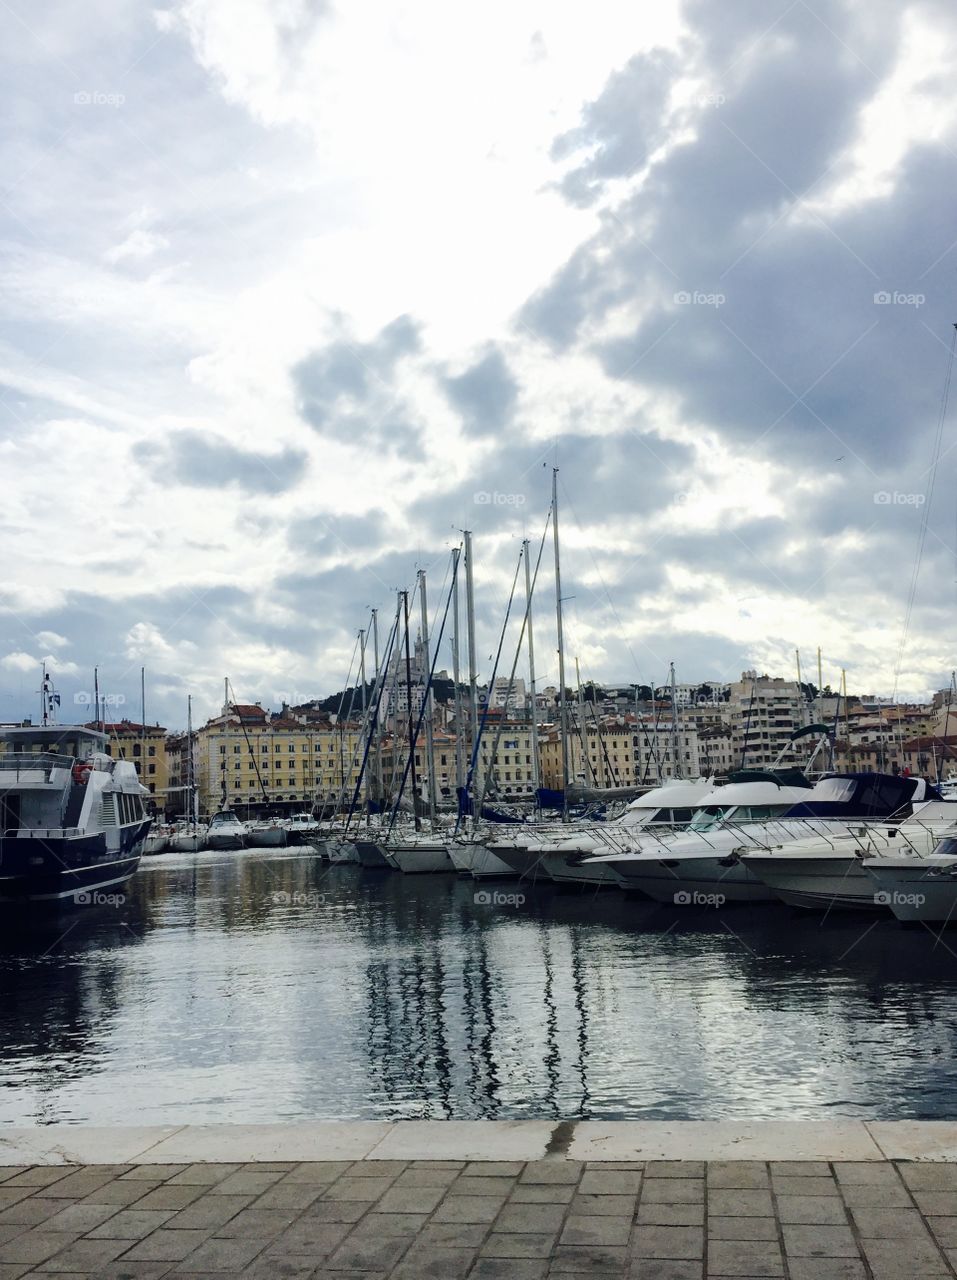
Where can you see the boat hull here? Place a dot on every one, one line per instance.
(266, 838)
(691, 881)
(922, 891)
(187, 843)
(416, 859)
(481, 863)
(223, 841)
(371, 856)
(65, 871)
(597, 875)
(817, 884)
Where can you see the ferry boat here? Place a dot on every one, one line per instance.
(72, 821)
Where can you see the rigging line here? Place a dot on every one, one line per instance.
(371, 723)
(604, 585)
(925, 514)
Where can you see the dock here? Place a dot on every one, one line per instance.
(481, 1200)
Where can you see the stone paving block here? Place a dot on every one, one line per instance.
(153, 1172)
(890, 1224)
(426, 1178)
(615, 1164)
(13, 1196)
(662, 1269)
(166, 1246)
(35, 1246)
(12, 1171)
(335, 1211)
(599, 1230)
(430, 1263)
(251, 1182)
(377, 1224)
(316, 1239)
(939, 1203)
(810, 1209)
(818, 1241)
(530, 1217)
(672, 1191)
(10, 1232)
(324, 1171)
(800, 1168)
(453, 1235)
(945, 1231)
(121, 1192)
(590, 1260)
(551, 1171)
(670, 1215)
(270, 1166)
(289, 1195)
(929, 1177)
(826, 1269)
(168, 1197)
(901, 1259)
(468, 1209)
(207, 1212)
(349, 1188)
(469, 1185)
(255, 1224)
(42, 1175)
(612, 1182)
(742, 1229)
(268, 1267)
(680, 1243)
(547, 1193)
(483, 1168)
(507, 1244)
(501, 1166)
(745, 1258)
(871, 1172)
(130, 1224)
(744, 1204)
(794, 1185)
(31, 1211)
(86, 1256)
(123, 1269)
(368, 1255)
(222, 1255)
(377, 1168)
(612, 1206)
(201, 1175)
(675, 1168)
(79, 1184)
(508, 1269)
(79, 1217)
(863, 1196)
(740, 1174)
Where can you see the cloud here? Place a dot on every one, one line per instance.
(204, 461)
(485, 394)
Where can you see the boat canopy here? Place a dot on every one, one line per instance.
(860, 795)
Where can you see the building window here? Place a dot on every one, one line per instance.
(151, 768)
(151, 751)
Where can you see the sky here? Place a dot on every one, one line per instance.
(292, 292)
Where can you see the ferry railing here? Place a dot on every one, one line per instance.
(41, 833)
(20, 762)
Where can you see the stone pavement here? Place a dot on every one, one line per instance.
(518, 1220)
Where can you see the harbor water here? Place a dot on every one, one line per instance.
(263, 986)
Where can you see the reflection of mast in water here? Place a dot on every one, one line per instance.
(578, 985)
(552, 1058)
(477, 996)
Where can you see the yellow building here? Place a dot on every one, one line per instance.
(146, 747)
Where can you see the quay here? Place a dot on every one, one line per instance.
(481, 1200)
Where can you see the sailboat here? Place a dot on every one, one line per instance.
(188, 838)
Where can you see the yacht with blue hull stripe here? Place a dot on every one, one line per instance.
(71, 817)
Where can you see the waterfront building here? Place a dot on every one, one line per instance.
(145, 746)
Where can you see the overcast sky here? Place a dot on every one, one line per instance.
(293, 291)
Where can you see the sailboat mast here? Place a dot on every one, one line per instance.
(380, 677)
(427, 697)
(676, 770)
(470, 635)
(142, 721)
(362, 678)
(563, 711)
(44, 718)
(456, 620)
(408, 691)
(536, 782)
(190, 781)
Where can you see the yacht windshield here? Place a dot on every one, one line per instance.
(709, 816)
(948, 846)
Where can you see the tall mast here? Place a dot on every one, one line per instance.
(142, 721)
(408, 690)
(362, 678)
(427, 696)
(531, 670)
(470, 629)
(563, 711)
(190, 783)
(456, 618)
(676, 770)
(44, 719)
(96, 697)
(380, 676)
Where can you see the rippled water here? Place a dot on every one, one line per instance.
(261, 986)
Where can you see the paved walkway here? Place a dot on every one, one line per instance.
(406, 1219)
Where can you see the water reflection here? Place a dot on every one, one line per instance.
(263, 986)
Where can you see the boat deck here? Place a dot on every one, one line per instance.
(482, 1200)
